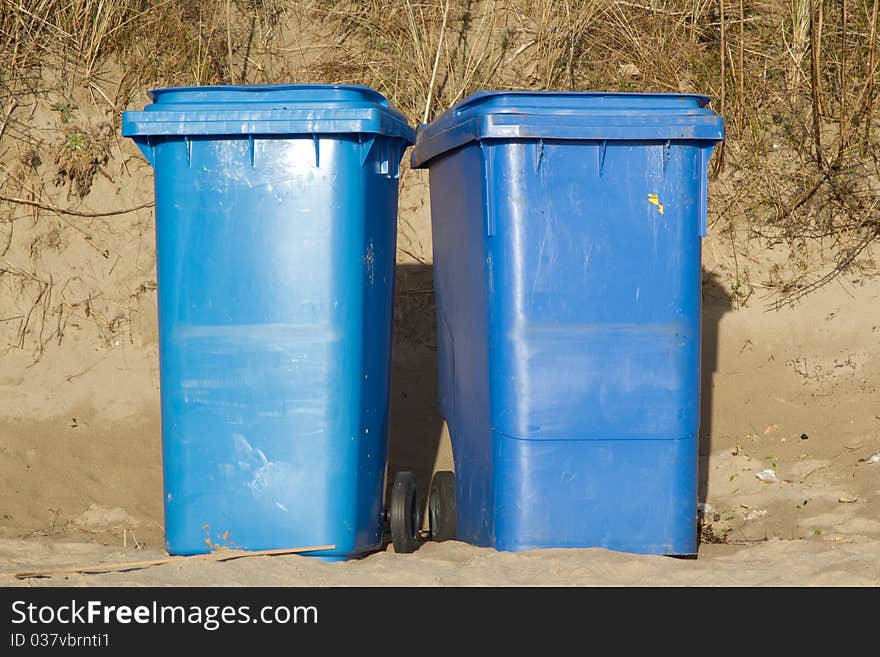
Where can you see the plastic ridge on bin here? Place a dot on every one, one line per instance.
(264, 110)
(570, 116)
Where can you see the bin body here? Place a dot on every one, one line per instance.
(567, 271)
(276, 232)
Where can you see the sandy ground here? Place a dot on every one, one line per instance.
(793, 390)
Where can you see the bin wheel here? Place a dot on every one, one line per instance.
(441, 507)
(405, 513)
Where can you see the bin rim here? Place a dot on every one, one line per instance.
(483, 95)
(275, 109)
(564, 115)
(367, 92)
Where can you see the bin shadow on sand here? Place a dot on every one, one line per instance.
(416, 425)
(716, 302)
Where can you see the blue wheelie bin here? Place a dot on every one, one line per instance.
(275, 231)
(566, 230)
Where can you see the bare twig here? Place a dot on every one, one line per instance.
(742, 86)
(412, 255)
(723, 56)
(436, 62)
(841, 137)
(869, 89)
(820, 19)
(125, 533)
(9, 112)
(821, 467)
(27, 320)
(229, 40)
(219, 555)
(72, 213)
(805, 196)
(843, 261)
(71, 377)
(653, 10)
(47, 301)
(815, 89)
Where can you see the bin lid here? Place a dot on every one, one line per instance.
(568, 116)
(267, 109)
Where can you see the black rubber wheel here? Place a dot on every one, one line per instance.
(441, 507)
(405, 513)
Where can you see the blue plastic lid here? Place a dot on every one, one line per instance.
(267, 109)
(568, 116)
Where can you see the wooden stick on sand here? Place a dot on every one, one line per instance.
(219, 555)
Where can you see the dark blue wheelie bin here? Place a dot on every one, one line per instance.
(566, 232)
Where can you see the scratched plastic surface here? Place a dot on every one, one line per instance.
(566, 231)
(276, 231)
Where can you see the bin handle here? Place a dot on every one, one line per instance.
(705, 154)
(388, 156)
(147, 146)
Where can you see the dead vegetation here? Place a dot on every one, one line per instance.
(796, 81)
(708, 535)
(80, 156)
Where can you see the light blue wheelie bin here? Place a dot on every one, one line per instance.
(275, 229)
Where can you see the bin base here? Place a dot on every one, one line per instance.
(323, 555)
(628, 495)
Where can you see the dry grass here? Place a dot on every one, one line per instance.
(795, 79)
(85, 29)
(168, 42)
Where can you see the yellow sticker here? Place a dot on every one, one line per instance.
(653, 198)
